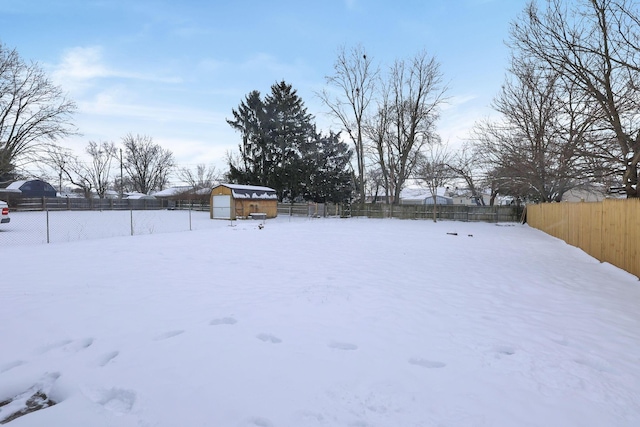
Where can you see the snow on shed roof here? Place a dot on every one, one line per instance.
(251, 191)
(248, 187)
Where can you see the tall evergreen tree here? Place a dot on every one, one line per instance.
(327, 161)
(290, 127)
(250, 119)
(273, 131)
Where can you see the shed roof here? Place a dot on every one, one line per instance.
(251, 192)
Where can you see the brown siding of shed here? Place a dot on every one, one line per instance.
(244, 207)
(221, 190)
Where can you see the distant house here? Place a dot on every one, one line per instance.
(137, 196)
(10, 195)
(232, 201)
(182, 193)
(465, 198)
(171, 192)
(33, 188)
(590, 193)
(111, 194)
(423, 196)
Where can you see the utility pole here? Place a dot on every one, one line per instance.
(60, 179)
(121, 176)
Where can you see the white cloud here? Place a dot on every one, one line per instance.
(458, 100)
(111, 104)
(80, 66)
(209, 149)
(459, 116)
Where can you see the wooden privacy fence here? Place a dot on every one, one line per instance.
(378, 210)
(448, 212)
(310, 209)
(608, 231)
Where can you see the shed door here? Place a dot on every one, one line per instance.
(222, 207)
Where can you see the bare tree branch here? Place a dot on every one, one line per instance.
(594, 46)
(34, 113)
(147, 163)
(355, 79)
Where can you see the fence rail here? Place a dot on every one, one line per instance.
(73, 204)
(608, 231)
(310, 209)
(448, 212)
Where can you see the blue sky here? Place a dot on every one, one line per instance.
(174, 70)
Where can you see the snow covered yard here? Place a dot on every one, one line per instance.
(326, 322)
(27, 228)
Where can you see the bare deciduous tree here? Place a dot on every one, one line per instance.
(99, 168)
(380, 135)
(147, 163)
(355, 79)
(434, 172)
(89, 175)
(375, 183)
(34, 113)
(594, 45)
(465, 164)
(416, 92)
(202, 176)
(540, 143)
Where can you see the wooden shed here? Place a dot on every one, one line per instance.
(233, 201)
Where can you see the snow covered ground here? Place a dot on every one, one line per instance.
(323, 322)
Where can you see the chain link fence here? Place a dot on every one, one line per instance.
(38, 227)
(56, 221)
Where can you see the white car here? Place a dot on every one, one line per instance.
(4, 216)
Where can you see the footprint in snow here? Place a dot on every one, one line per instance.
(342, 346)
(595, 363)
(66, 345)
(48, 347)
(8, 366)
(505, 350)
(424, 363)
(269, 338)
(108, 357)
(223, 321)
(117, 400)
(260, 422)
(78, 345)
(169, 334)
